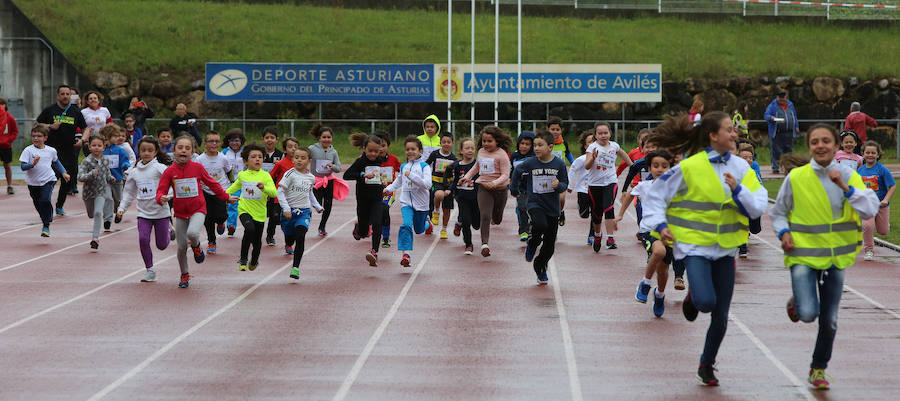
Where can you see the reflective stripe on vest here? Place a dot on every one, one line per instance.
(820, 241)
(701, 206)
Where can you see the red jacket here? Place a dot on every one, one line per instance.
(857, 122)
(9, 130)
(282, 166)
(392, 161)
(634, 154)
(192, 201)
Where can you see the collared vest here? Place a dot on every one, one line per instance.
(820, 241)
(705, 215)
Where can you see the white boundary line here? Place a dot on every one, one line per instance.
(574, 382)
(63, 249)
(171, 344)
(82, 295)
(32, 225)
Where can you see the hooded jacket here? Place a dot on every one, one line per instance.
(433, 142)
(516, 157)
(789, 114)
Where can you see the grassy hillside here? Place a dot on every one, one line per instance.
(179, 36)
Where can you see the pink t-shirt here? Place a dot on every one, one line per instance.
(852, 160)
(491, 167)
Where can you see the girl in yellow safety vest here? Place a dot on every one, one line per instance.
(703, 206)
(819, 245)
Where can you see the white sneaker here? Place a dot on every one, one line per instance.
(149, 277)
(870, 255)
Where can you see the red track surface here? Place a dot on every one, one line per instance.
(76, 325)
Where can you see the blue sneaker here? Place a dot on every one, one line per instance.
(185, 281)
(590, 240)
(45, 232)
(60, 211)
(659, 304)
(642, 291)
(199, 256)
(529, 252)
(542, 278)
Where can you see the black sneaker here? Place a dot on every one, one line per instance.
(118, 220)
(270, 241)
(688, 309)
(706, 375)
(562, 219)
(598, 243)
(107, 225)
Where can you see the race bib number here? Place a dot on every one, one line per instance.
(871, 182)
(186, 188)
(250, 191)
(113, 160)
(146, 189)
(486, 166)
(558, 153)
(387, 175)
(268, 167)
(322, 166)
(441, 164)
(376, 179)
(607, 160)
(542, 184)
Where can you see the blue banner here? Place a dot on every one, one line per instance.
(550, 82)
(277, 82)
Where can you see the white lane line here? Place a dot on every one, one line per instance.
(82, 295)
(64, 249)
(171, 344)
(32, 225)
(874, 303)
(798, 384)
(574, 382)
(367, 350)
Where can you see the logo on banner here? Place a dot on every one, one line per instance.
(228, 82)
(442, 84)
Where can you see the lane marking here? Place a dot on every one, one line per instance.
(31, 225)
(171, 344)
(82, 295)
(367, 350)
(574, 382)
(64, 249)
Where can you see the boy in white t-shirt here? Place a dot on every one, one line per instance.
(39, 161)
(600, 163)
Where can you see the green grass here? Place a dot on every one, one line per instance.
(893, 236)
(179, 36)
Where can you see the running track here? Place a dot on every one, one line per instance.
(76, 325)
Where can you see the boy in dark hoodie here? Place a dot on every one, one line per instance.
(524, 149)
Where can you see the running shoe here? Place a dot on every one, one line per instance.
(611, 243)
(404, 261)
(288, 250)
(562, 219)
(791, 308)
(211, 248)
(10, 190)
(430, 229)
(171, 234)
(598, 242)
(688, 309)
(529, 252)
(659, 304)
(485, 250)
(242, 266)
(590, 240)
(457, 229)
(323, 233)
(107, 225)
(199, 257)
(45, 232)
(819, 380)
(641, 293)
(60, 211)
(95, 243)
(386, 243)
(295, 273)
(149, 276)
(523, 237)
(270, 241)
(118, 220)
(231, 230)
(435, 216)
(679, 283)
(870, 255)
(742, 251)
(443, 234)
(468, 250)
(220, 228)
(356, 235)
(253, 266)
(372, 257)
(706, 375)
(542, 278)
(185, 281)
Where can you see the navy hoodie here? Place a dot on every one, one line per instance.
(517, 157)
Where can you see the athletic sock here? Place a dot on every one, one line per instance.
(444, 228)
(646, 281)
(609, 236)
(659, 294)
(598, 235)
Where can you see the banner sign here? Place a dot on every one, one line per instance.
(250, 82)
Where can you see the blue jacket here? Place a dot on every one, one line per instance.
(121, 164)
(790, 123)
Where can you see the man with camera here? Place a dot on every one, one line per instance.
(64, 119)
(141, 112)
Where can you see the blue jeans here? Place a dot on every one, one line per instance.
(232, 218)
(712, 285)
(782, 143)
(830, 282)
(413, 220)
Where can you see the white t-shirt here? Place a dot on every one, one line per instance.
(96, 119)
(218, 167)
(640, 190)
(296, 187)
(604, 171)
(42, 173)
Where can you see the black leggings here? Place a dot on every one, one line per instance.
(273, 212)
(369, 213)
(602, 199)
(469, 218)
(299, 243)
(252, 236)
(325, 196)
(215, 214)
(543, 230)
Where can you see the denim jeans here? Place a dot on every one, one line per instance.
(804, 281)
(712, 285)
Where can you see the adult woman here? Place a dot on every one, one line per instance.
(95, 115)
(705, 203)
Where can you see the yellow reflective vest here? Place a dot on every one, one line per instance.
(820, 241)
(705, 215)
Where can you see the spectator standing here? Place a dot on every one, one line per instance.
(184, 121)
(9, 131)
(857, 121)
(141, 113)
(783, 127)
(64, 120)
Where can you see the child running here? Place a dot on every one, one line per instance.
(95, 173)
(439, 195)
(290, 145)
(119, 162)
(256, 186)
(234, 142)
(414, 182)
(849, 153)
(659, 255)
(271, 156)
(324, 163)
(366, 171)
(578, 182)
(465, 194)
(701, 207)
(390, 169)
(560, 150)
(296, 198)
(545, 178)
(39, 162)
(600, 163)
(878, 178)
(185, 177)
(219, 168)
(746, 152)
(493, 168)
(816, 216)
(143, 179)
(165, 142)
(524, 150)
